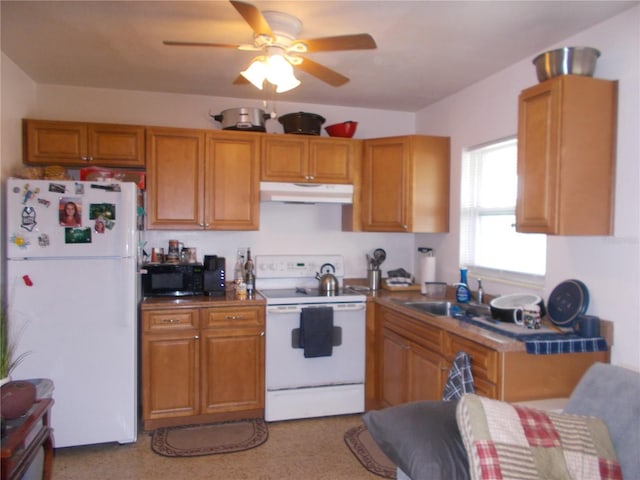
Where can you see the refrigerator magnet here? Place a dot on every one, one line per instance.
(77, 235)
(43, 240)
(29, 193)
(99, 225)
(79, 189)
(70, 212)
(57, 188)
(106, 211)
(20, 241)
(28, 221)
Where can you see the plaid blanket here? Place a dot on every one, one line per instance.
(505, 441)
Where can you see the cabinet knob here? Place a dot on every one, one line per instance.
(197, 337)
(233, 317)
(171, 320)
(262, 334)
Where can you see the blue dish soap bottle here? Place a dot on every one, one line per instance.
(463, 294)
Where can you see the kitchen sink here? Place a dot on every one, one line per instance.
(448, 309)
(439, 308)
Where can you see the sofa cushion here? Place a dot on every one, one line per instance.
(421, 438)
(512, 441)
(612, 393)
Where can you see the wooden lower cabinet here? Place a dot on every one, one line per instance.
(411, 367)
(414, 358)
(201, 364)
(232, 360)
(411, 372)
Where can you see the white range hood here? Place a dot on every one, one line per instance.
(306, 192)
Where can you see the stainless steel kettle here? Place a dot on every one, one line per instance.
(328, 281)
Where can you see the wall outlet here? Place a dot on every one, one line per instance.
(241, 252)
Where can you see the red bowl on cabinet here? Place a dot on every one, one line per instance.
(345, 129)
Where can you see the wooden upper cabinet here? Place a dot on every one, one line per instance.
(405, 184)
(566, 156)
(175, 179)
(83, 144)
(198, 180)
(232, 181)
(306, 159)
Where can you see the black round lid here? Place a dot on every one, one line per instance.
(568, 300)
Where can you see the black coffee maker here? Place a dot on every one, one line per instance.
(214, 277)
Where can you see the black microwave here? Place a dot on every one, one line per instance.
(173, 280)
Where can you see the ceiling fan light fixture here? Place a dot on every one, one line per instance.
(256, 73)
(280, 73)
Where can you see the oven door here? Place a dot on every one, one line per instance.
(286, 365)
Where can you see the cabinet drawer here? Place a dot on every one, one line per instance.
(485, 389)
(172, 320)
(420, 332)
(484, 362)
(233, 317)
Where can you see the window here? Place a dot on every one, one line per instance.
(489, 243)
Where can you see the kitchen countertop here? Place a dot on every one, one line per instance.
(229, 300)
(488, 338)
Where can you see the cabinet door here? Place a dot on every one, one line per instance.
(170, 375)
(331, 160)
(427, 374)
(116, 145)
(383, 185)
(395, 368)
(232, 369)
(232, 182)
(175, 179)
(284, 159)
(538, 131)
(51, 142)
(566, 156)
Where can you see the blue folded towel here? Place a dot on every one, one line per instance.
(316, 331)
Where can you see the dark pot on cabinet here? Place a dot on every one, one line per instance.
(302, 123)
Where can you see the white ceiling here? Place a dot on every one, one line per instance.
(427, 50)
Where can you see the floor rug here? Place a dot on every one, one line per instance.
(366, 450)
(209, 439)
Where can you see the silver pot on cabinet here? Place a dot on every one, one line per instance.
(244, 118)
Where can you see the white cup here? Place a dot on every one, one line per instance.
(529, 316)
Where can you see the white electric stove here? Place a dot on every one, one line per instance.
(298, 386)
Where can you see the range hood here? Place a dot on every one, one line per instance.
(306, 192)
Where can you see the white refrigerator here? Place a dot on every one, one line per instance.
(73, 294)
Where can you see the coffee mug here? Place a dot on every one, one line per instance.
(529, 316)
(174, 247)
(587, 326)
(188, 255)
(157, 255)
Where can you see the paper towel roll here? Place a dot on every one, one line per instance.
(427, 271)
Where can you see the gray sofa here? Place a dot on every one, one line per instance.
(424, 441)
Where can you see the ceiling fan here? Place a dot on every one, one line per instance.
(275, 35)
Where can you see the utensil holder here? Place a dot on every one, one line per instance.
(373, 277)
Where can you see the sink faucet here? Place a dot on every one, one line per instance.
(480, 295)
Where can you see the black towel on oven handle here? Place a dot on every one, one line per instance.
(316, 331)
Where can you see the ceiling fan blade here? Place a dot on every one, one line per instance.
(360, 41)
(325, 74)
(240, 80)
(253, 17)
(199, 44)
